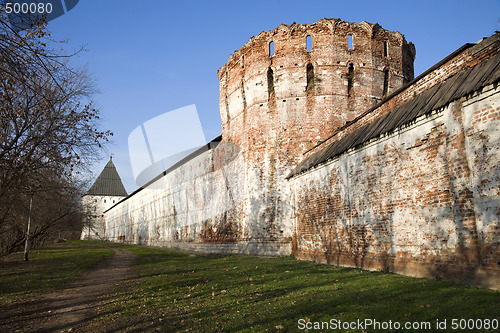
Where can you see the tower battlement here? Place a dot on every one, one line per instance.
(290, 88)
(337, 67)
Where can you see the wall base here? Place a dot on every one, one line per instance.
(475, 276)
(268, 249)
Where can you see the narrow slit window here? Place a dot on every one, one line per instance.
(270, 83)
(243, 61)
(308, 43)
(386, 83)
(271, 49)
(386, 46)
(349, 42)
(350, 75)
(310, 78)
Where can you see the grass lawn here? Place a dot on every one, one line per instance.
(170, 291)
(177, 292)
(48, 269)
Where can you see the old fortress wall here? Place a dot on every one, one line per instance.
(331, 151)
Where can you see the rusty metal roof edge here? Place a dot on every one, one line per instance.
(449, 91)
(396, 92)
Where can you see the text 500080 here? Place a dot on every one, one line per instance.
(28, 8)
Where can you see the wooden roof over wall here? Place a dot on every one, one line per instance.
(455, 87)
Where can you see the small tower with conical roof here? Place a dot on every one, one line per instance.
(106, 191)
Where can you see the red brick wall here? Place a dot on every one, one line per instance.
(274, 131)
(469, 57)
(422, 202)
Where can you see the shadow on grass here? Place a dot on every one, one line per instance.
(174, 291)
(48, 268)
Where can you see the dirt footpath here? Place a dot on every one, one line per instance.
(68, 309)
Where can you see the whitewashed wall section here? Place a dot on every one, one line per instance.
(423, 201)
(180, 206)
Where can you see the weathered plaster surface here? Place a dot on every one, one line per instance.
(95, 206)
(192, 207)
(274, 113)
(423, 201)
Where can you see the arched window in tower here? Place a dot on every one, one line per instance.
(271, 49)
(270, 83)
(386, 48)
(309, 44)
(310, 78)
(349, 42)
(242, 61)
(386, 82)
(350, 75)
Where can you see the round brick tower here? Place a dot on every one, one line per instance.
(288, 89)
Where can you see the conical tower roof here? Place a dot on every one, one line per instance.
(108, 182)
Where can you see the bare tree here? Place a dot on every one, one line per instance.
(48, 129)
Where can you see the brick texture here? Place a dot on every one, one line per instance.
(275, 111)
(423, 200)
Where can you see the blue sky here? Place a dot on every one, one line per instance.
(151, 57)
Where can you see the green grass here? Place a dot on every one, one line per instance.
(48, 269)
(174, 291)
